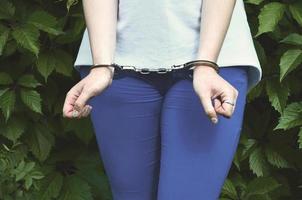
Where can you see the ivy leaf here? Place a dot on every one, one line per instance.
(229, 189)
(40, 141)
(289, 61)
(71, 3)
(27, 36)
(269, 17)
(255, 91)
(51, 186)
(257, 162)
(46, 64)
(254, 2)
(22, 169)
(300, 138)
(81, 128)
(261, 186)
(291, 116)
(3, 37)
(44, 21)
(277, 94)
(64, 64)
(293, 39)
(30, 177)
(28, 80)
(14, 128)
(32, 99)
(276, 159)
(7, 10)
(5, 79)
(7, 102)
(26, 172)
(296, 11)
(76, 189)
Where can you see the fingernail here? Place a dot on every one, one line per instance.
(75, 113)
(214, 120)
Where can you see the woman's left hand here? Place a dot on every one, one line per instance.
(209, 85)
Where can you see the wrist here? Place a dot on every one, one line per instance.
(102, 70)
(204, 68)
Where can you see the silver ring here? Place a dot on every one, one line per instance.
(229, 102)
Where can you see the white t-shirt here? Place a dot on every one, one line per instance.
(163, 33)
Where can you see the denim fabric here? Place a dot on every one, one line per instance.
(162, 82)
(157, 143)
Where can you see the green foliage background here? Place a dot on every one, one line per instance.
(45, 156)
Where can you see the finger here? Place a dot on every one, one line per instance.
(82, 99)
(86, 111)
(217, 104)
(78, 114)
(227, 109)
(206, 102)
(70, 99)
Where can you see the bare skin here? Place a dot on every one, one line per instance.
(93, 84)
(206, 82)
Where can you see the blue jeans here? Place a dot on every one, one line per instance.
(155, 140)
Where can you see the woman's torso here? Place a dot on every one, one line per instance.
(161, 33)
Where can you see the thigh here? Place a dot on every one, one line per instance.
(196, 154)
(125, 117)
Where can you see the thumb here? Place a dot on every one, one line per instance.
(209, 109)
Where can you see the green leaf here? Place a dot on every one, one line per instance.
(14, 128)
(81, 128)
(294, 39)
(269, 17)
(229, 189)
(261, 186)
(248, 146)
(27, 36)
(296, 11)
(30, 177)
(46, 64)
(28, 182)
(257, 162)
(255, 91)
(76, 189)
(7, 102)
(64, 62)
(23, 169)
(40, 141)
(3, 91)
(32, 99)
(51, 186)
(3, 37)
(300, 138)
(44, 21)
(7, 10)
(71, 3)
(5, 79)
(255, 2)
(289, 61)
(28, 80)
(277, 93)
(275, 159)
(291, 117)
(19, 169)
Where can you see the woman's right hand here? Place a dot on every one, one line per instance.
(93, 84)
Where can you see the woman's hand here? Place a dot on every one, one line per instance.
(209, 85)
(93, 84)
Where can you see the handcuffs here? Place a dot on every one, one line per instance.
(188, 65)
